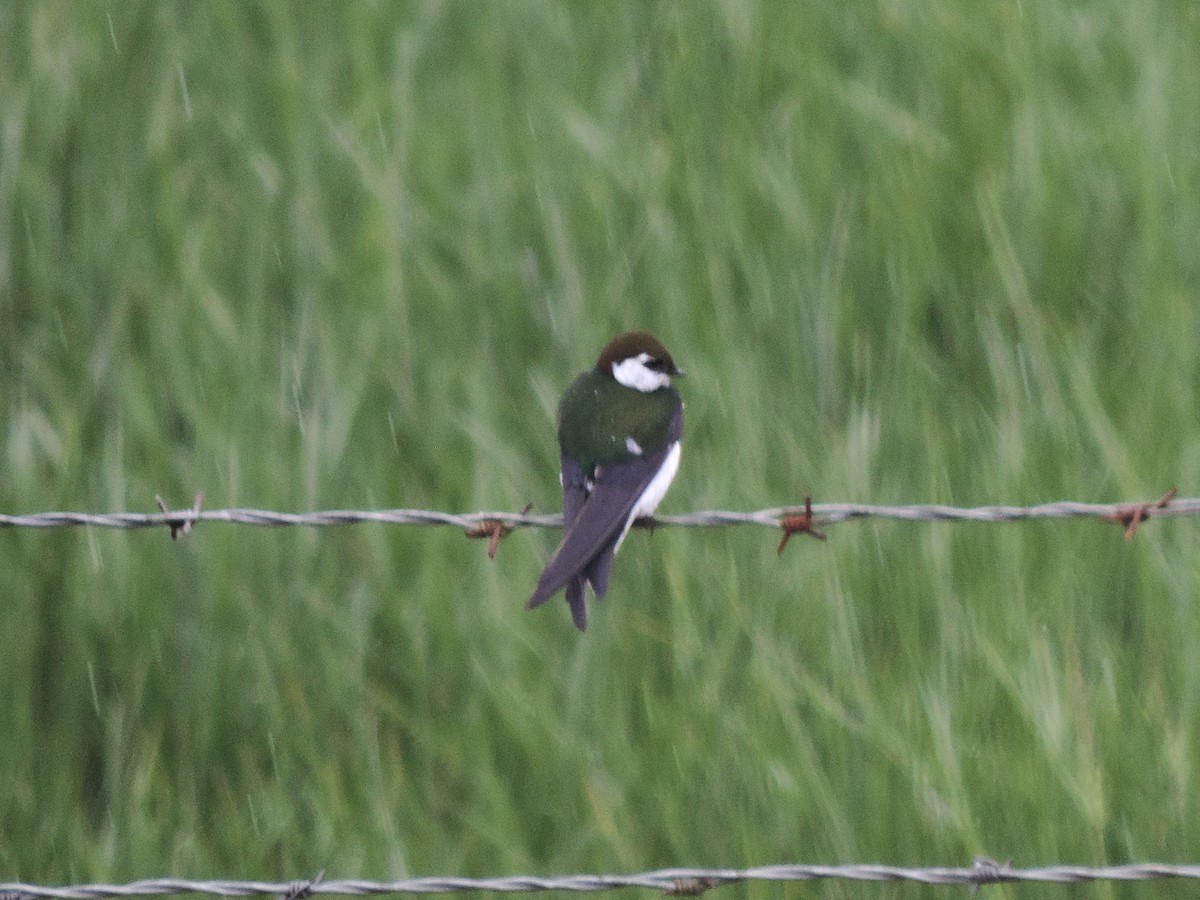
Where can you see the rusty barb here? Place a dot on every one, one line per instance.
(1131, 515)
(493, 529)
(798, 523)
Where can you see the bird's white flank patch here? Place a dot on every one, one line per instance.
(633, 372)
(632, 446)
(655, 491)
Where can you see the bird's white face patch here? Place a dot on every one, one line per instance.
(632, 446)
(634, 373)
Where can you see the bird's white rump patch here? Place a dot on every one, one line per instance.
(655, 491)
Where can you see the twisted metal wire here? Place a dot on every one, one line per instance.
(774, 517)
(677, 882)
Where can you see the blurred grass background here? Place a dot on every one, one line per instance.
(348, 255)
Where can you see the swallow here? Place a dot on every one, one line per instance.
(619, 430)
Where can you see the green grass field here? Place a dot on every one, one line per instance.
(350, 257)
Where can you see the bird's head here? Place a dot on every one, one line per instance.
(638, 360)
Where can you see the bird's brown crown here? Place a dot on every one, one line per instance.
(631, 344)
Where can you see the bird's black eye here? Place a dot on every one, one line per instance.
(657, 365)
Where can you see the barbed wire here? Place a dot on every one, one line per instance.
(679, 882)
(675, 882)
(792, 519)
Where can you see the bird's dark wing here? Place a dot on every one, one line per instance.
(588, 545)
(578, 604)
(574, 488)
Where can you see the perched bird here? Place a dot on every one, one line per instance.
(619, 426)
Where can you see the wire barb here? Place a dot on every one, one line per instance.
(302, 890)
(184, 523)
(494, 529)
(796, 523)
(1131, 515)
(692, 887)
(986, 870)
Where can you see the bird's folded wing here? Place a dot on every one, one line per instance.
(574, 488)
(600, 522)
